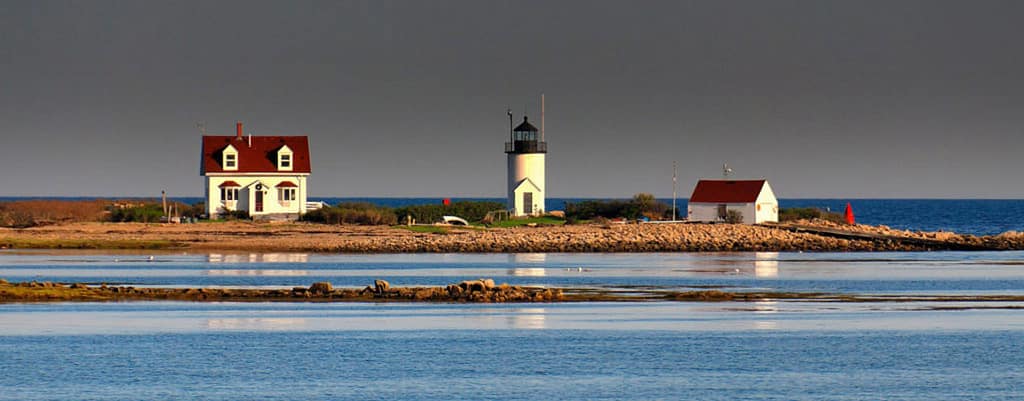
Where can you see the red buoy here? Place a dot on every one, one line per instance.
(849, 214)
(446, 201)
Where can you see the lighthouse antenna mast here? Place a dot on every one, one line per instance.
(511, 138)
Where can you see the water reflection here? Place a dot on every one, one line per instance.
(527, 319)
(256, 272)
(766, 325)
(258, 258)
(766, 307)
(766, 264)
(527, 258)
(258, 323)
(517, 259)
(528, 272)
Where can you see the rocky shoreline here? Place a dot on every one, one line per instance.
(301, 237)
(471, 291)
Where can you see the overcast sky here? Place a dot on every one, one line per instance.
(831, 99)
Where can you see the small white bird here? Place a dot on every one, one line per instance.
(151, 258)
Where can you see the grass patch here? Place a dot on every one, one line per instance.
(425, 229)
(15, 243)
(540, 221)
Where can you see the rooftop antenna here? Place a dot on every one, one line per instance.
(542, 117)
(726, 171)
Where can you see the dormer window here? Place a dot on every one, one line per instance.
(230, 161)
(284, 159)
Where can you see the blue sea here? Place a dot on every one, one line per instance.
(768, 350)
(967, 216)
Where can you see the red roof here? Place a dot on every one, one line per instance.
(229, 184)
(261, 157)
(727, 191)
(287, 184)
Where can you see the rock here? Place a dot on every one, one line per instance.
(2, 281)
(79, 286)
(477, 285)
(381, 286)
(322, 287)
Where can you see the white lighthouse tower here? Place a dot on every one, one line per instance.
(526, 151)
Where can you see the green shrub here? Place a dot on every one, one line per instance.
(362, 213)
(808, 213)
(147, 213)
(734, 217)
(473, 211)
(641, 204)
(235, 215)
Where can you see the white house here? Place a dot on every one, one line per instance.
(713, 199)
(262, 175)
(526, 153)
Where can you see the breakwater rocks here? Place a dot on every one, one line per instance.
(303, 237)
(476, 291)
(613, 238)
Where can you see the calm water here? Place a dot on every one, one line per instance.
(757, 350)
(969, 216)
(909, 272)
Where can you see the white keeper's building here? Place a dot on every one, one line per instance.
(262, 175)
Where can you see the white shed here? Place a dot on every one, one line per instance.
(712, 200)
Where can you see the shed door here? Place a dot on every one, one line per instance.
(723, 211)
(528, 202)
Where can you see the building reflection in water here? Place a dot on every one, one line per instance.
(519, 259)
(766, 264)
(527, 318)
(258, 258)
(218, 258)
(766, 325)
(256, 272)
(255, 323)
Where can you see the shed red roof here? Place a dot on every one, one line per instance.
(287, 184)
(261, 157)
(726, 191)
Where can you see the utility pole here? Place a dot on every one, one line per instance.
(163, 196)
(674, 190)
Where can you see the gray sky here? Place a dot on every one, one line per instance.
(824, 98)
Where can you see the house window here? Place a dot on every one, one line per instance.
(285, 195)
(229, 194)
(286, 161)
(230, 161)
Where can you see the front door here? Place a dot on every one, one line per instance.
(527, 202)
(259, 201)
